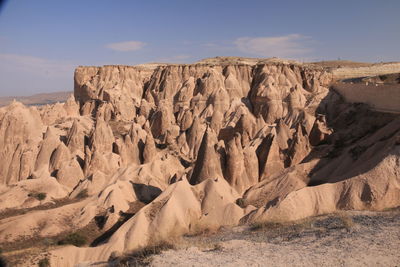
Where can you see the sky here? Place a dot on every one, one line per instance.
(43, 41)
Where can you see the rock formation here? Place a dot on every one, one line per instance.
(183, 148)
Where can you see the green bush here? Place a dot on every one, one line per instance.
(75, 239)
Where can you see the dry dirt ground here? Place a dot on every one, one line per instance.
(346, 239)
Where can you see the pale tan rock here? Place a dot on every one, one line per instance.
(207, 160)
(251, 165)
(244, 131)
(69, 173)
(360, 192)
(21, 195)
(179, 209)
(120, 85)
(76, 137)
(105, 112)
(20, 134)
(161, 121)
(71, 106)
(320, 131)
(283, 134)
(182, 144)
(52, 113)
(145, 108)
(49, 144)
(107, 163)
(150, 150)
(236, 173)
(300, 146)
(128, 150)
(185, 119)
(60, 155)
(102, 138)
(270, 154)
(195, 136)
(217, 121)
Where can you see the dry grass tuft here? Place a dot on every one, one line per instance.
(38, 195)
(82, 194)
(267, 225)
(75, 239)
(3, 262)
(142, 256)
(346, 221)
(44, 262)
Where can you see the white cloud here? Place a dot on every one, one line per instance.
(126, 46)
(287, 46)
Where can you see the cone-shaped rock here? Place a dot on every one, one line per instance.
(207, 162)
(102, 138)
(50, 142)
(76, 137)
(236, 174)
(149, 150)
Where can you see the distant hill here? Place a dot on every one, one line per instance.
(38, 99)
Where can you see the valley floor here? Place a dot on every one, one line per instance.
(348, 239)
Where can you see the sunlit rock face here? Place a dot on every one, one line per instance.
(220, 142)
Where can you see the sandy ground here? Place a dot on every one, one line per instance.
(360, 239)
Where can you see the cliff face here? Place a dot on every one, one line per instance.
(177, 103)
(199, 146)
(264, 88)
(122, 86)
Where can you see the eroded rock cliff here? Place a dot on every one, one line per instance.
(197, 146)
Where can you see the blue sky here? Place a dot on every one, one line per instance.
(41, 42)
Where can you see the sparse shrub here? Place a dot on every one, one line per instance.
(346, 220)
(82, 194)
(339, 144)
(265, 225)
(333, 154)
(372, 129)
(217, 247)
(201, 230)
(3, 262)
(141, 257)
(337, 149)
(44, 262)
(39, 196)
(49, 241)
(75, 239)
(241, 202)
(356, 151)
(100, 220)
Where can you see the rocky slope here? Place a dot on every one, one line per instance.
(192, 147)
